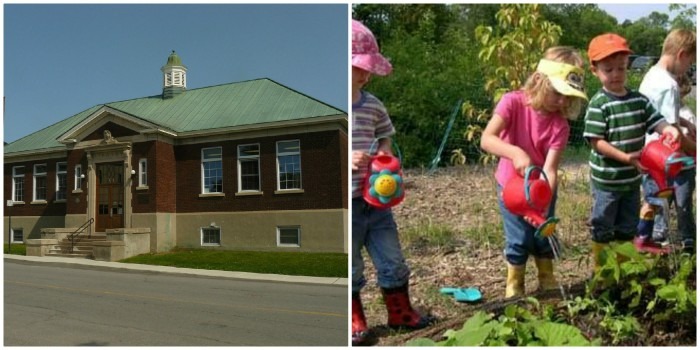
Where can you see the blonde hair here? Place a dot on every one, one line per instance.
(538, 86)
(677, 40)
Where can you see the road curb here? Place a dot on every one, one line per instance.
(177, 270)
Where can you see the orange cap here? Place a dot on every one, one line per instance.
(605, 45)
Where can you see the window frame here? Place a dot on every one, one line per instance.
(201, 236)
(58, 182)
(279, 154)
(289, 227)
(14, 231)
(240, 168)
(77, 180)
(35, 176)
(143, 172)
(15, 176)
(221, 168)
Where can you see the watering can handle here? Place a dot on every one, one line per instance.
(673, 160)
(373, 148)
(527, 183)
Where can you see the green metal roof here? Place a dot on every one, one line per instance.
(205, 109)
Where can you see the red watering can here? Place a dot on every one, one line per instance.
(384, 182)
(664, 161)
(531, 198)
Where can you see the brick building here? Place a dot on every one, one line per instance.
(251, 165)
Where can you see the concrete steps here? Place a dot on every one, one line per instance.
(82, 247)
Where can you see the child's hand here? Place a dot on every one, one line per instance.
(673, 132)
(360, 160)
(633, 159)
(521, 162)
(530, 221)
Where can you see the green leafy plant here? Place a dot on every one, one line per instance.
(517, 326)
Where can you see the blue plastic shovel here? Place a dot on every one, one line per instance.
(465, 295)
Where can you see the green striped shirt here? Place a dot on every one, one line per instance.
(623, 122)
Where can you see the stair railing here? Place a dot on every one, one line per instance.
(87, 225)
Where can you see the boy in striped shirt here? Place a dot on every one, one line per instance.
(616, 122)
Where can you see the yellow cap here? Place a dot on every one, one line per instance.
(565, 78)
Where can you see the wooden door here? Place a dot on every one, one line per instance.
(110, 196)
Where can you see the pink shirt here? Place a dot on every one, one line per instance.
(534, 132)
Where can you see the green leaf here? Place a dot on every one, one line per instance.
(669, 292)
(420, 342)
(557, 334)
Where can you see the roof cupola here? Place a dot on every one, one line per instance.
(174, 76)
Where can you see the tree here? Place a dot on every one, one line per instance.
(579, 22)
(685, 18)
(646, 35)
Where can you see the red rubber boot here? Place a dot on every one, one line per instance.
(360, 332)
(401, 314)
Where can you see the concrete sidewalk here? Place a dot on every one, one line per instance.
(74, 262)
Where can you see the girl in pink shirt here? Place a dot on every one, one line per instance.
(530, 127)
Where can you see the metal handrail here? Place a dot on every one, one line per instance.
(86, 225)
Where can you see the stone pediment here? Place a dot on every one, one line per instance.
(118, 124)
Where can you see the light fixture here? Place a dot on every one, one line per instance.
(212, 224)
(82, 176)
(133, 172)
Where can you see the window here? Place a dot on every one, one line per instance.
(78, 180)
(212, 173)
(289, 236)
(211, 236)
(18, 183)
(143, 173)
(61, 180)
(40, 182)
(17, 235)
(288, 165)
(249, 168)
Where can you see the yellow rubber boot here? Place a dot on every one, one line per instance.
(545, 274)
(596, 248)
(515, 283)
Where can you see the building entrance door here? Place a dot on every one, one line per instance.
(110, 196)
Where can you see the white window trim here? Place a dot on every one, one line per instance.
(287, 245)
(77, 180)
(240, 182)
(12, 236)
(24, 184)
(143, 171)
(34, 176)
(277, 167)
(65, 173)
(201, 167)
(201, 237)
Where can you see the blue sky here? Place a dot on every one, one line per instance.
(62, 59)
(634, 12)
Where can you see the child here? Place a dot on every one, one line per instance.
(651, 205)
(661, 87)
(616, 121)
(529, 127)
(373, 228)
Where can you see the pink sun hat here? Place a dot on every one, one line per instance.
(365, 51)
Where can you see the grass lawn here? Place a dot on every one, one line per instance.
(17, 249)
(283, 263)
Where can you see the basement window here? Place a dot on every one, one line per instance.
(289, 236)
(211, 236)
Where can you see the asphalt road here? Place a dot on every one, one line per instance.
(69, 306)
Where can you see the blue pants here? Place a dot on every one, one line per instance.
(684, 185)
(615, 215)
(376, 230)
(520, 236)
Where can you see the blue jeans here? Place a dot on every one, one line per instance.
(375, 230)
(520, 236)
(684, 185)
(615, 215)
